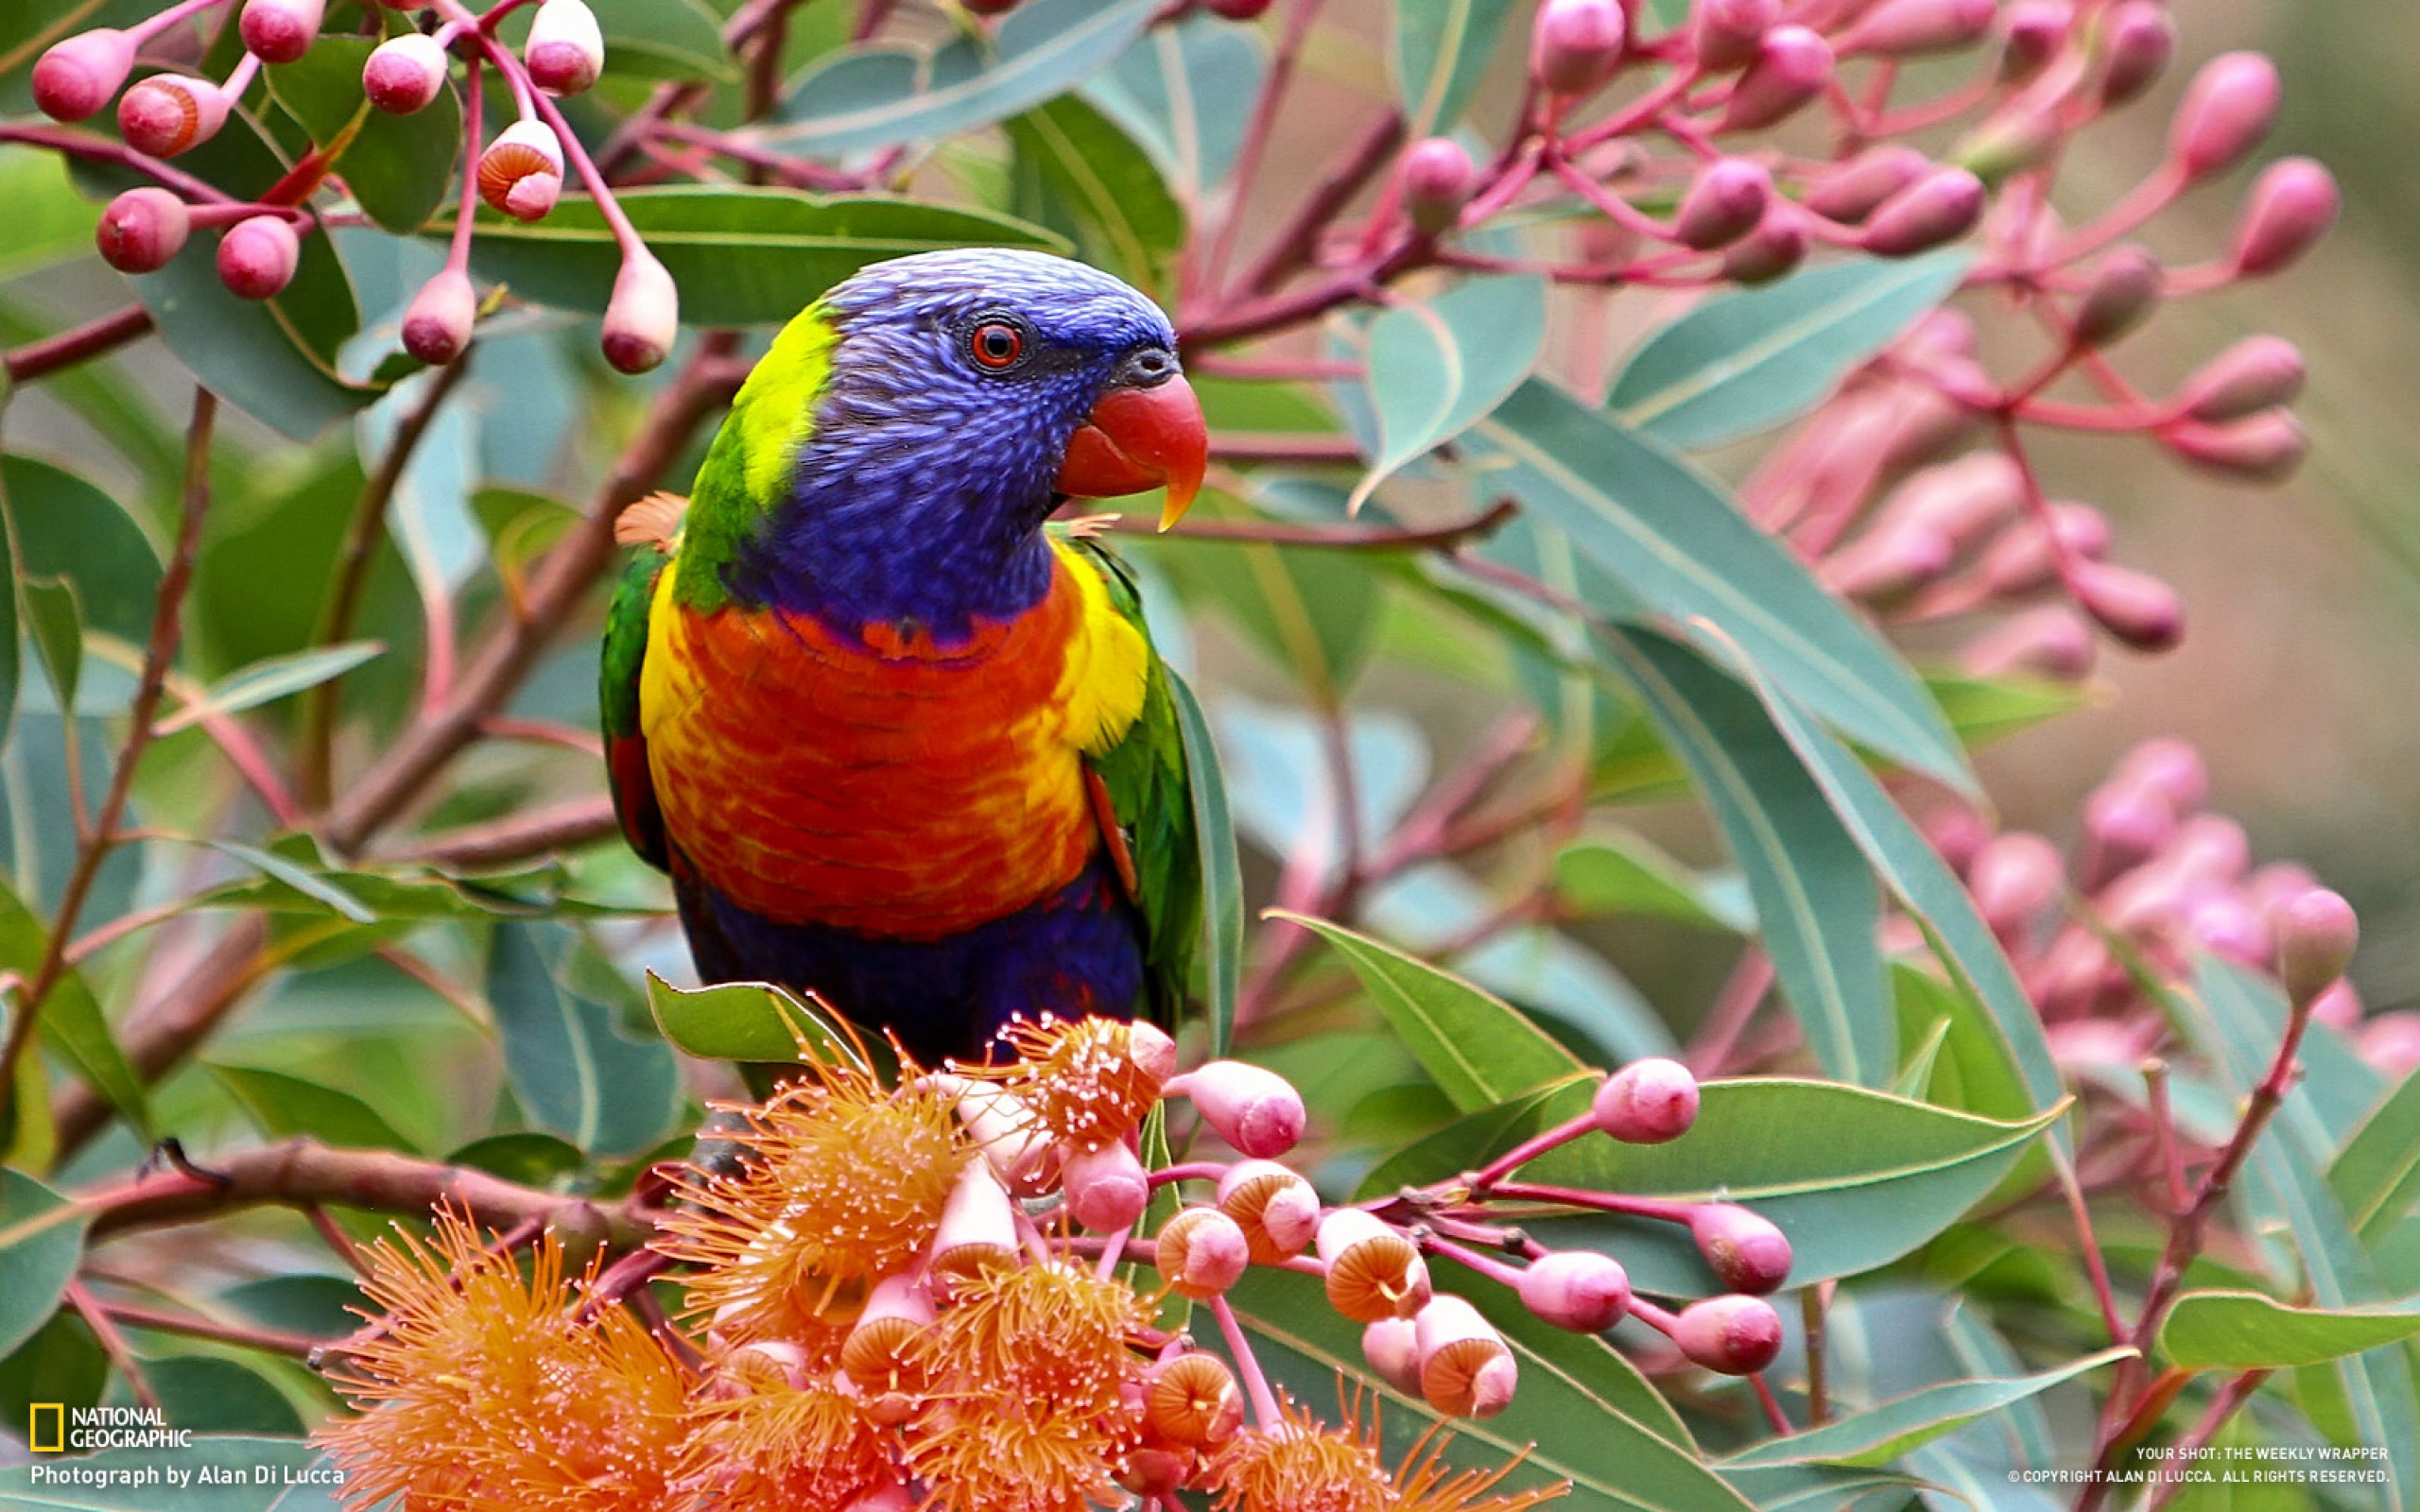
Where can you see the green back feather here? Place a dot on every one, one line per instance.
(748, 468)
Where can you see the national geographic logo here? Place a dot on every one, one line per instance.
(53, 1428)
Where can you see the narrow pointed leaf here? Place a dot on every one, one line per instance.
(744, 1021)
(573, 1071)
(1223, 880)
(72, 1022)
(1435, 368)
(2376, 1176)
(267, 681)
(41, 1240)
(1881, 1434)
(1131, 224)
(2245, 1330)
(1184, 90)
(284, 1105)
(1442, 51)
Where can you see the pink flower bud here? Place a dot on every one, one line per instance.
(2020, 562)
(1437, 179)
(1240, 9)
(1257, 1111)
(643, 317)
(1849, 191)
(2047, 640)
(2228, 925)
(1278, 1210)
(522, 173)
(1736, 1336)
(1965, 500)
(436, 324)
(77, 75)
(1897, 27)
(977, 1227)
(1940, 207)
(887, 1332)
(2390, 1042)
(565, 51)
(1773, 250)
(1152, 1052)
(2125, 289)
(2316, 933)
(167, 113)
(1152, 1473)
(1465, 1370)
(2291, 206)
(2229, 108)
(1392, 1347)
(1107, 1189)
(2014, 879)
(1748, 1252)
(1202, 1252)
(2265, 447)
(280, 32)
(1791, 67)
(2257, 373)
(404, 75)
(256, 257)
(2338, 1005)
(2037, 30)
(1577, 1289)
(1575, 45)
(1374, 1271)
(2137, 608)
(142, 229)
(2211, 849)
(1726, 32)
(1885, 565)
(2139, 39)
(1647, 1102)
(1723, 203)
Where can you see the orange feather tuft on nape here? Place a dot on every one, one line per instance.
(651, 522)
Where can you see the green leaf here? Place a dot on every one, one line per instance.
(1587, 1425)
(398, 167)
(1434, 369)
(208, 1395)
(1881, 1434)
(55, 624)
(1816, 908)
(570, 1066)
(41, 1239)
(746, 1020)
(1133, 225)
(531, 1158)
(881, 96)
(1669, 536)
(1914, 872)
(1984, 711)
(1822, 1487)
(1742, 362)
(284, 1106)
(1972, 1069)
(2245, 1330)
(72, 1021)
(661, 39)
(1855, 1178)
(213, 1474)
(279, 676)
(64, 527)
(61, 1363)
(1478, 1048)
(1622, 873)
(1223, 880)
(48, 220)
(2376, 1176)
(1184, 90)
(741, 256)
(1442, 51)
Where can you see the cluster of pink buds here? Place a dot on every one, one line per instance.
(520, 173)
(2156, 870)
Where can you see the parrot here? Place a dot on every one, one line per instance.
(899, 740)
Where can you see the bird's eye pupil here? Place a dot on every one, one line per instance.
(997, 344)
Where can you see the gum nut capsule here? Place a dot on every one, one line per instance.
(1373, 1270)
(1853, 191)
(1156, 1473)
(882, 1344)
(142, 229)
(1278, 1210)
(1392, 1347)
(1437, 179)
(1723, 203)
(1192, 1400)
(2134, 607)
(1575, 45)
(1202, 1252)
(1107, 1189)
(2037, 30)
(2229, 108)
(169, 113)
(1726, 32)
(1940, 207)
(1257, 1111)
(2124, 290)
(405, 73)
(1773, 250)
(2139, 40)
(280, 32)
(2257, 373)
(1648, 1102)
(521, 172)
(437, 322)
(2290, 209)
(2316, 936)
(1736, 1336)
(2016, 877)
(2047, 640)
(642, 318)
(1898, 28)
(256, 257)
(1577, 1289)
(1465, 1368)
(1748, 1253)
(1791, 67)
(566, 49)
(2264, 447)
(1152, 1052)
(79, 75)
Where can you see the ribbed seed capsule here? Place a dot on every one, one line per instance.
(1374, 1271)
(1202, 1252)
(1193, 1400)
(1278, 1210)
(1465, 1370)
(521, 172)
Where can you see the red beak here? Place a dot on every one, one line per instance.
(1138, 440)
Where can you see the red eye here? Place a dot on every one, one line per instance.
(996, 345)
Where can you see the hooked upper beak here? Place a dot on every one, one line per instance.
(1145, 433)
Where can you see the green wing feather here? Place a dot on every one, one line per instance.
(1151, 789)
(617, 690)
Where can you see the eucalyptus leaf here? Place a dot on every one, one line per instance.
(746, 1020)
(41, 1240)
(2245, 1330)
(397, 168)
(1882, 1432)
(1222, 882)
(1185, 89)
(1442, 49)
(1132, 224)
(571, 1067)
(267, 681)
(2376, 1174)
(72, 1021)
(1436, 369)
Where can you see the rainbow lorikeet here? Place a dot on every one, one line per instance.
(896, 742)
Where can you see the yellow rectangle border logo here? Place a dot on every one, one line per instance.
(58, 1411)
